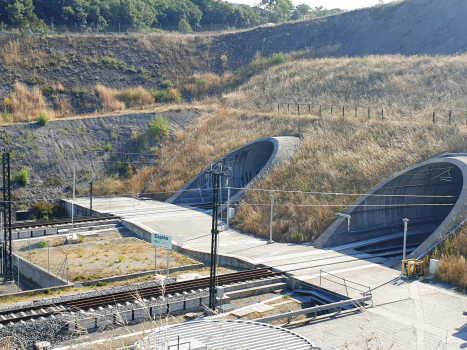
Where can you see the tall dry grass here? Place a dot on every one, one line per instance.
(335, 155)
(23, 105)
(405, 86)
(201, 85)
(452, 254)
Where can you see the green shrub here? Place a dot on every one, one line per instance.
(42, 244)
(298, 237)
(159, 129)
(166, 84)
(159, 95)
(23, 177)
(101, 284)
(43, 119)
(277, 58)
(108, 147)
(48, 90)
(42, 209)
(184, 26)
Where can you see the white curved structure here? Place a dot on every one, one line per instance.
(247, 163)
(432, 195)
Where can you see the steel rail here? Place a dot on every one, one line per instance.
(121, 297)
(62, 221)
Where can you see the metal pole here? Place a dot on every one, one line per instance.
(155, 261)
(90, 206)
(434, 116)
(18, 271)
(168, 262)
(450, 117)
(271, 222)
(228, 206)
(73, 199)
(405, 237)
(343, 111)
(320, 110)
(369, 112)
(67, 275)
(382, 113)
(48, 258)
(356, 112)
(29, 245)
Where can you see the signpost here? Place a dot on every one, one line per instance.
(161, 241)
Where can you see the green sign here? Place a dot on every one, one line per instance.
(161, 241)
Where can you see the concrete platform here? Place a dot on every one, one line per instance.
(409, 314)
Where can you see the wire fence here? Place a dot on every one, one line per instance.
(448, 116)
(119, 28)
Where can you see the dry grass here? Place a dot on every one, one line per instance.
(109, 254)
(452, 253)
(202, 84)
(406, 86)
(23, 105)
(108, 100)
(336, 154)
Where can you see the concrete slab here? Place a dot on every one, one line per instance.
(406, 314)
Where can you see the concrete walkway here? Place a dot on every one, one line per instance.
(406, 314)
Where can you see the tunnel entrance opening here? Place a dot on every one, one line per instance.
(424, 195)
(243, 165)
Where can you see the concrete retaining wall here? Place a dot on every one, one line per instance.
(37, 273)
(205, 257)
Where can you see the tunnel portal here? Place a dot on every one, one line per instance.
(427, 194)
(244, 165)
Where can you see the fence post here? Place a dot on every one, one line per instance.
(356, 112)
(343, 111)
(382, 112)
(369, 112)
(434, 116)
(298, 109)
(288, 107)
(331, 109)
(278, 108)
(450, 117)
(320, 110)
(309, 109)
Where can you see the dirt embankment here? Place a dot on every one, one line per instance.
(66, 68)
(100, 148)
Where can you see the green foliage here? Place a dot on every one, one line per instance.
(78, 91)
(298, 237)
(101, 284)
(42, 209)
(159, 129)
(43, 119)
(277, 58)
(184, 26)
(115, 63)
(166, 84)
(48, 90)
(42, 244)
(23, 177)
(108, 147)
(159, 95)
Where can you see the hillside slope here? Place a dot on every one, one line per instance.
(412, 27)
(67, 68)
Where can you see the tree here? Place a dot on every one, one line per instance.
(303, 9)
(184, 26)
(283, 7)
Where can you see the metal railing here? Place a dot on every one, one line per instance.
(365, 291)
(449, 115)
(315, 309)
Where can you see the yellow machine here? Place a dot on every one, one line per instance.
(412, 268)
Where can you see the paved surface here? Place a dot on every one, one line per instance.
(406, 314)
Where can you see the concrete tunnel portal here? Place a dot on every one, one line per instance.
(244, 165)
(430, 194)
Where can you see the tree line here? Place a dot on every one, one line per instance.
(146, 15)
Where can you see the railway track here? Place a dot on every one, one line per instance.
(35, 224)
(36, 312)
